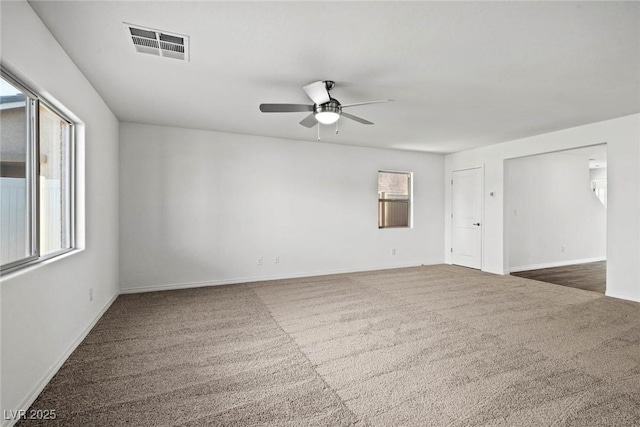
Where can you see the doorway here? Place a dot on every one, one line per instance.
(556, 217)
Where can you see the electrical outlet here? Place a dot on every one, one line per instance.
(260, 261)
(393, 251)
(90, 294)
(276, 260)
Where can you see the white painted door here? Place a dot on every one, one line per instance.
(466, 218)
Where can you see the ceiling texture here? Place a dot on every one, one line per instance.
(461, 74)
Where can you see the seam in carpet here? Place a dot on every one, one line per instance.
(304, 355)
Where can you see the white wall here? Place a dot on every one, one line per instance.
(622, 136)
(553, 217)
(46, 309)
(599, 173)
(200, 207)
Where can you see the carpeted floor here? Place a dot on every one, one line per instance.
(437, 345)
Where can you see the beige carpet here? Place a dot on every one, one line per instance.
(437, 345)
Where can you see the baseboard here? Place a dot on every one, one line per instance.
(555, 264)
(622, 296)
(221, 282)
(496, 272)
(37, 389)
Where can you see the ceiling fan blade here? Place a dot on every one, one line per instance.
(285, 108)
(365, 103)
(317, 92)
(309, 121)
(357, 119)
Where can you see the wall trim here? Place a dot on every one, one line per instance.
(621, 296)
(555, 264)
(492, 271)
(46, 378)
(251, 279)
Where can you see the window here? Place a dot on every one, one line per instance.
(36, 167)
(394, 199)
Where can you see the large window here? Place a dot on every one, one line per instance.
(394, 199)
(36, 168)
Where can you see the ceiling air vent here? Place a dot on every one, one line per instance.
(159, 43)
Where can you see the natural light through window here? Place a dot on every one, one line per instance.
(15, 226)
(36, 171)
(54, 182)
(394, 199)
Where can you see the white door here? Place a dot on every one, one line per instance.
(466, 218)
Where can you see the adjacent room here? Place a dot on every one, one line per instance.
(319, 213)
(556, 215)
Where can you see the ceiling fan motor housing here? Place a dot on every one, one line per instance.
(333, 106)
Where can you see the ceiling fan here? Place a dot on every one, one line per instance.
(325, 109)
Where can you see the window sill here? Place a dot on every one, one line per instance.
(21, 269)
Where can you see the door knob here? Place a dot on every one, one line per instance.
(476, 223)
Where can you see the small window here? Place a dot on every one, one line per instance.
(36, 170)
(394, 199)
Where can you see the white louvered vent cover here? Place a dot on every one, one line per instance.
(159, 43)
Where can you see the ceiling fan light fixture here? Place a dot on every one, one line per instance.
(327, 117)
(328, 113)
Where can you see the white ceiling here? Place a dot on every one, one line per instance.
(462, 74)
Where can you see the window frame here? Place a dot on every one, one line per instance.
(409, 199)
(32, 173)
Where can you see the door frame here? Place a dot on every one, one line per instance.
(482, 203)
